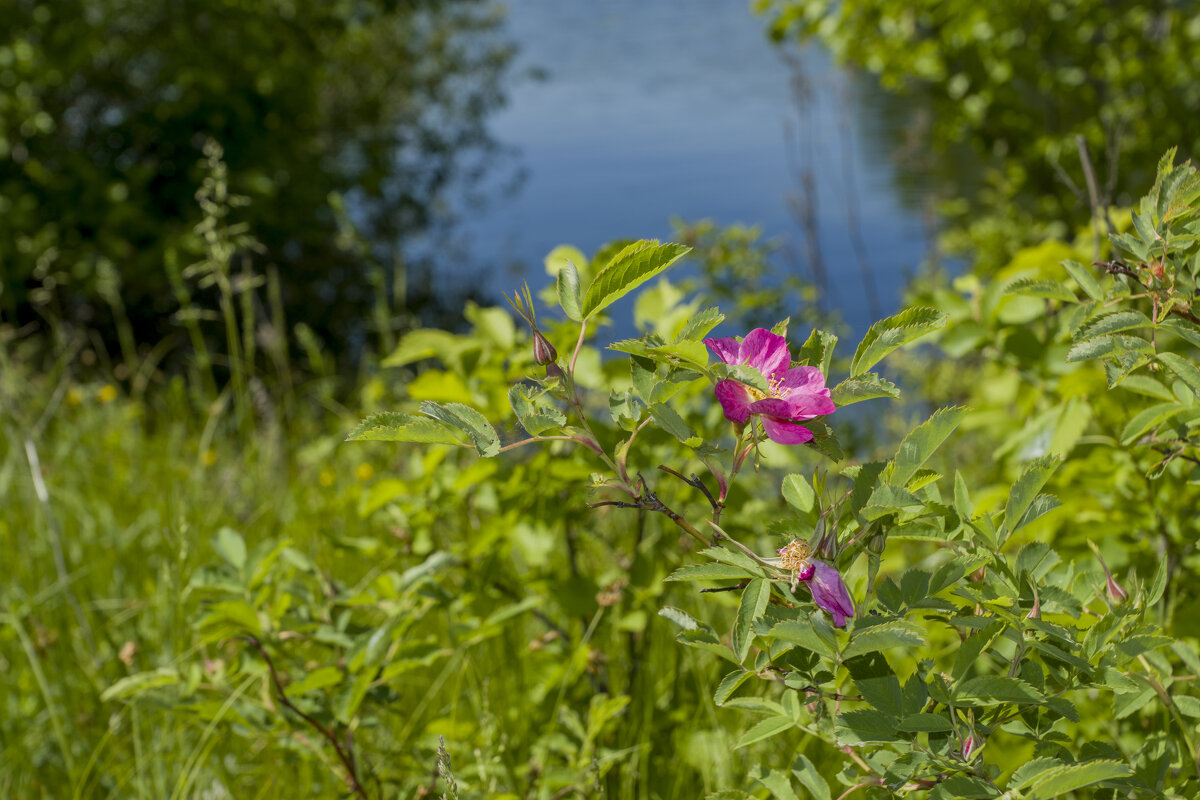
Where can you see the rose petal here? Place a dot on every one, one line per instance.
(829, 592)
(725, 349)
(765, 351)
(785, 432)
(772, 406)
(808, 379)
(735, 400)
(798, 408)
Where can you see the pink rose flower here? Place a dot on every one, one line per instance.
(796, 394)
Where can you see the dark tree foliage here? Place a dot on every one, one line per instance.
(105, 105)
(1001, 94)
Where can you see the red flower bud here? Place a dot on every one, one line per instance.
(543, 352)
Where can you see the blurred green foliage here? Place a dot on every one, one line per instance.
(998, 93)
(104, 108)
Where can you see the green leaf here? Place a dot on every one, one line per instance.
(742, 373)
(1061, 780)
(420, 344)
(1050, 290)
(232, 547)
(1085, 279)
(776, 782)
(864, 387)
(709, 572)
(922, 440)
(865, 725)
(1027, 772)
(567, 285)
(753, 604)
(771, 726)
(801, 632)
(1113, 345)
(730, 683)
(700, 325)
(393, 426)
(667, 418)
(1113, 323)
(810, 778)
(1185, 369)
(679, 617)
(798, 493)
(925, 723)
(1158, 583)
(1027, 488)
(627, 270)
(468, 420)
(817, 350)
(887, 334)
(990, 690)
(535, 415)
(139, 682)
(1148, 419)
(883, 637)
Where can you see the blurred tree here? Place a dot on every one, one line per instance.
(1000, 94)
(105, 105)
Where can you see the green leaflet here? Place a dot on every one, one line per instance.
(887, 334)
(863, 387)
(393, 426)
(468, 420)
(923, 440)
(627, 270)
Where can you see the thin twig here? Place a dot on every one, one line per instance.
(346, 757)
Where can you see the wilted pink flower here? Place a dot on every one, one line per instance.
(796, 394)
(829, 592)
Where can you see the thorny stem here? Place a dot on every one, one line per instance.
(696, 483)
(342, 750)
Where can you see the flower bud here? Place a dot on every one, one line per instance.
(543, 352)
(1116, 594)
(968, 747)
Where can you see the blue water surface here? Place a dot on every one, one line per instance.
(651, 109)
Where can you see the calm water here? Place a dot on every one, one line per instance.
(655, 108)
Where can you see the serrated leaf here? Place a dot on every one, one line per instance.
(1042, 504)
(798, 493)
(669, 420)
(742, 373)
(1113, 323)
(991, 689)
(1085, 279)
(709, 572)
(753, 603)
(1185, 369)
(776, 782)
(567, 286)
(883, 637)
(1112, 345)
(1027, 772)
(865, 725)
(468, 420)
(730, 683)
(393, 426)
(1061, 780)
(771, 726)
(923, 440)
(1032, 287)
(801, 632)
(536, 417)
(627, 270)
(888, 334)
(1186, 330)
(1026, 488)
(817, 350)
(925, 723)
(700, 325)
(864, 387)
